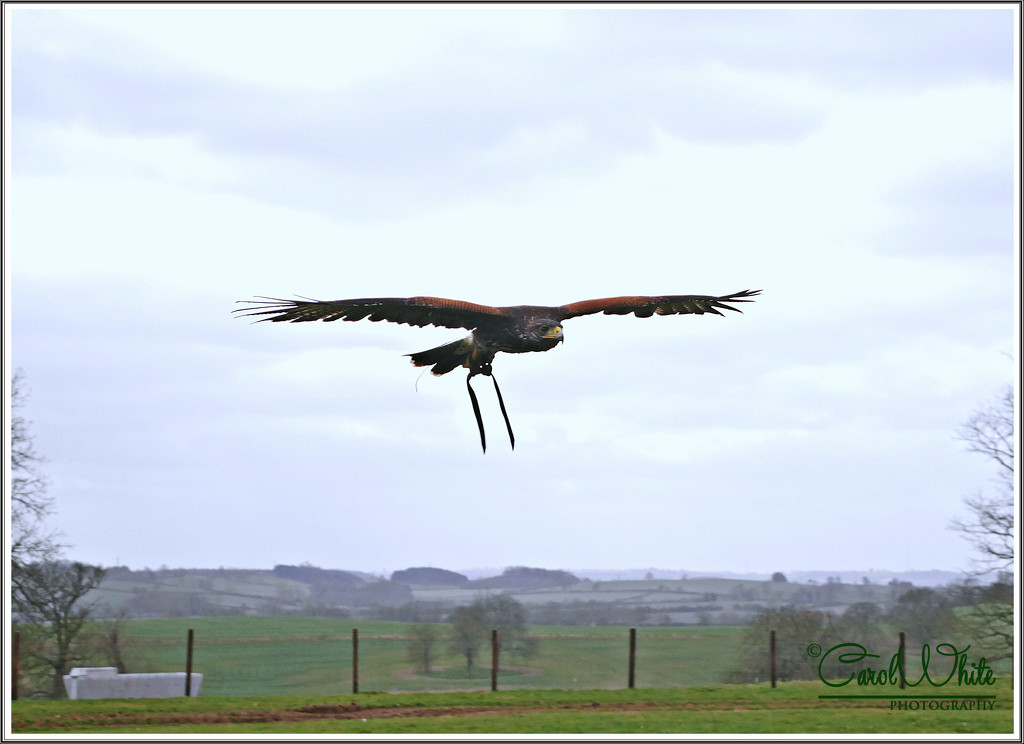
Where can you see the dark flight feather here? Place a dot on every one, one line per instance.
(514, 329)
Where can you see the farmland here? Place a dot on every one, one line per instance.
(550, 597)
(719, 709)
(313, 656)
(293, 676)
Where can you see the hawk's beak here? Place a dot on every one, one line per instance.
(555, 333)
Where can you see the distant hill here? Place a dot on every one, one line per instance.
(931, 578)
(314, 575)
(555, 597)
(521, 577)
(429, 577)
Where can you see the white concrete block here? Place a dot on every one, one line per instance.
(91, 683)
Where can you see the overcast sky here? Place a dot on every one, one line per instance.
(854, 163)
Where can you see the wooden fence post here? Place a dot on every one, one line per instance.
(494, 660)
(355, 660)
(632, 658)
(15, 663)
(188, 663)
(771, 654)
(903, 660)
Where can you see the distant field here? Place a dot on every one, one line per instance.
(313, 656)
(653, 601)
(793, 708)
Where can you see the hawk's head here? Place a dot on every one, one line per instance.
(543, 334)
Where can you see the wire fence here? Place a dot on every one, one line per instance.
(352, 662)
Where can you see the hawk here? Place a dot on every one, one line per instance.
(513, 330)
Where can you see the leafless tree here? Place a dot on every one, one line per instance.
(989, 528)
(420, 649)
(469, 632)
(31, 540)
(508, 617)
(46, 592)
(47, 598)
(471, 625)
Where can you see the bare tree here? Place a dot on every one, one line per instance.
(46, 593)
(420, 649)
(47, 596)
(508, 617)
(30, 503)
(471, 625)
(795, 628)
(989, 529)
(469, 632)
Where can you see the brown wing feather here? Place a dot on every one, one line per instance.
(645, 307)
(415, 311)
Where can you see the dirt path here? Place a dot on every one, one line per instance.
(351, 711)
(305, 713)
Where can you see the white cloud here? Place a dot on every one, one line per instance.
(855, 165)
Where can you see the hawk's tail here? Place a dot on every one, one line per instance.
(445, 358)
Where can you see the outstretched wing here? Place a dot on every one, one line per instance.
(645, 307)
(415, 311)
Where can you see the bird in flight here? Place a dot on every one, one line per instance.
(513, 330)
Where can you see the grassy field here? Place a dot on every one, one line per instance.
(313, 656)
(720, 709)
(293, 676)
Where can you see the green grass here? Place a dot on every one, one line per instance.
(458, 671)
(261, 673)
(718, 709)
(265, 656)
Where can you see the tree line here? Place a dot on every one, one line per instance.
(470, 631)
(923, 615)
